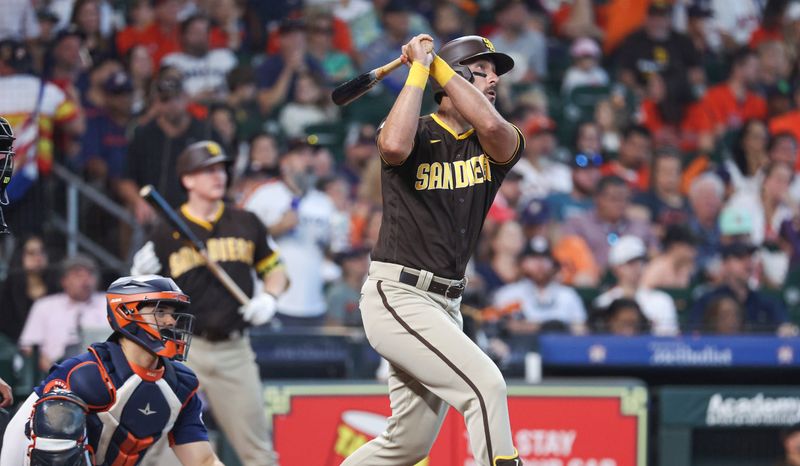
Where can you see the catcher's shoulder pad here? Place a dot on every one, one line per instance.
(91, 383)
(185, 382)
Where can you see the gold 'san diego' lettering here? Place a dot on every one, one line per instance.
(219, 250)
(453, 175)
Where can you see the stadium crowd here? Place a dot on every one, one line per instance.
(657, 191)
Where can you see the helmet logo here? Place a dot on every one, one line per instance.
(213, 148)
(488, 44)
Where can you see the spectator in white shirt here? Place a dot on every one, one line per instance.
(59, 324)
(541, 173)
(768, 203)
(301, 219)
(627, 259)
(585, 70)
(540, 297)
(204, 71)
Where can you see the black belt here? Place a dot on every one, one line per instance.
(447, 290)
(217, 335)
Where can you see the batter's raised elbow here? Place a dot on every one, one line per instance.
(393, 151)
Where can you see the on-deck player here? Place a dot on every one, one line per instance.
(222, 356)
(440, 173)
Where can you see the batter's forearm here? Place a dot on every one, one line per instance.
(474, 106)
(396, 139)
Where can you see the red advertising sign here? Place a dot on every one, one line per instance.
(551, 425)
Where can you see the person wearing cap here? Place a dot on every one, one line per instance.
(56, 322)
(697, 14)
(156, 145)
(585, 176)
(104, 146)
(301, 220)
(585, 70)
(222, 356)
(524, 43)
(440, 173)
(657, 48)
(542, 299)
(627, 259)
(762, 313)
(66, 59)
(205, 70)
(541, 173)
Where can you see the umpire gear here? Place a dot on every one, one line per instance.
(458, 52)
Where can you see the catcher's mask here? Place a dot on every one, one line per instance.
(168, 332)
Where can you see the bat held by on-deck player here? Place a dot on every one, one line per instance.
(172, 218)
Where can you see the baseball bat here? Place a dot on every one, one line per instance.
(358, 86)
(154, 198)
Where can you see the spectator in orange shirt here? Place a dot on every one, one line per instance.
(789, 122)
(163, 36)
(633, 161)
(139, 19)
(731, 103)
(227, 27)
(672, 123)
(771, 27)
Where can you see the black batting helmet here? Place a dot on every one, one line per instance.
(459, 52)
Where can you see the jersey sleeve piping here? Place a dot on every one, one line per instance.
(517, 150)
(268, 263)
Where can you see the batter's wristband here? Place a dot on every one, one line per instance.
(418, 75)
(441, 71)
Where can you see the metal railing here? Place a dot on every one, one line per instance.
(69, 224)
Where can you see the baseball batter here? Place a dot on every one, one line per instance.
(440, 173)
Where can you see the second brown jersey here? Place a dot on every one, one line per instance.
(435, 202)
(237, 241)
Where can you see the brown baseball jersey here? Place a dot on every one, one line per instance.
(237, 240)
(435, 202)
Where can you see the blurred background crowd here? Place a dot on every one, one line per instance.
(656, 194)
